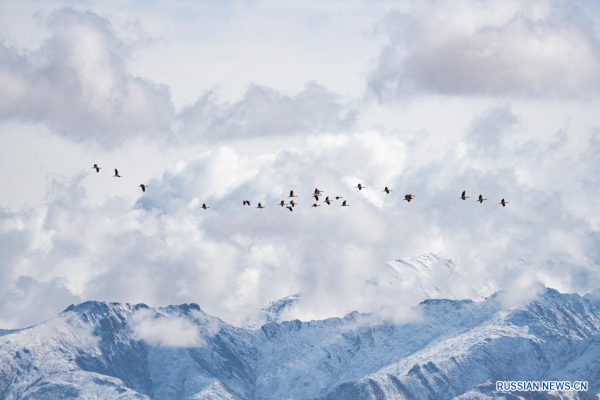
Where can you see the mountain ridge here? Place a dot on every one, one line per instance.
(113, 350)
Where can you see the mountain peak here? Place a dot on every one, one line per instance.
(102, 307)
(553, 337)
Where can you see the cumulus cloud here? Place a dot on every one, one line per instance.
(166, 331)
(80, 85)
(266, 112)
(541, 49)
(28, 301)
(233, 259)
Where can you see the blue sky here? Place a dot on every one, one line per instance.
(213, 102)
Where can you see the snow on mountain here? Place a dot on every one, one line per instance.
(272, 312)
(436, 278)
(459, 348)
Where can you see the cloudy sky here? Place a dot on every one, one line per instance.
(218, 101)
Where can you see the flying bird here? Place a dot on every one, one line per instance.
(204, 206)
(292, 203)
(318, 192)
(290, 208)
(246, 202)
(143, 187)
(327, 200)
(316, 205)
(291, 194)
(97, 168)
(282, 203)
(316, 196)
(116, 175)
(409, 197)
(344, 204)
(260, 206)
(481, 199)
(360, 187)
(504, 203)
(464, 196)
(387, 190)
(338, 197)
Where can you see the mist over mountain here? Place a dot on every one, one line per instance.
(455, 348)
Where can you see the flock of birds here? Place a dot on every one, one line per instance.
(317, 194)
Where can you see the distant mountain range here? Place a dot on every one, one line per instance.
(457, 349)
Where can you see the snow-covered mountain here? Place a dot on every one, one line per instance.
(458, 348)
(436, 278)
(433, 276)
(272, 312)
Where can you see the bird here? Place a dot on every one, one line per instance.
(316, 196)
(387, 190)
(504, 203)
(481, 199)
(338, 197)
(282, 203)
(246, 202)
(291, 194)
(204, 206)
(292, 203)
(409, 197)
(316, 205)
(260, 206)
(344, 204)
(327, 200)
(318, 192)
(116, 175)
(360, 187)
(143, 187)
(97, 168)
(464, 196)
(290, 208)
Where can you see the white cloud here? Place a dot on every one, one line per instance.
(162, 249)
(167, 331)
(542, 49)
(266, 112)
(232, 259)
(79, 83)
(28, 301)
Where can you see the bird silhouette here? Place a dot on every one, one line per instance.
(246, 202)
(504, 203)
(387, 190)
(464, 196)
(318, 192)
(316, 196)
(360, 187)
(291, 194)
(204, 206)
(338, 197)
(344, 204)
(292, 203)
(481, 199)
(143, 187)
(96, 167)
(327, 200)
(260, 206)
(316, 205)
(290, 208)
(116, 175)
(409, 197)
(282, 203)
